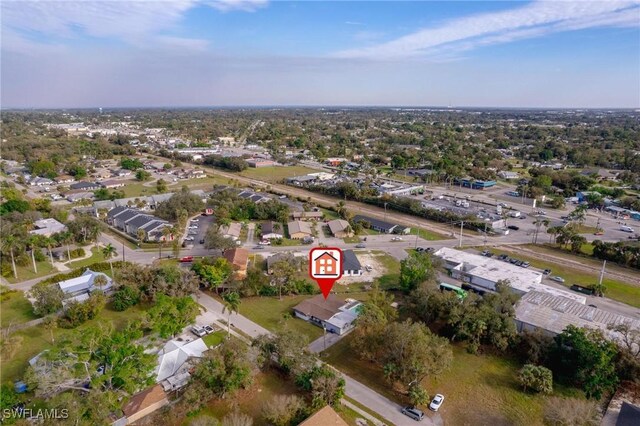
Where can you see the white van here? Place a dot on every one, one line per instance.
(625, 228)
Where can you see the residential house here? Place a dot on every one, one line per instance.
(62, 179)
(113, 183)
(85, 186)
(351, 266)
(299, 230)
(326, 416)
(381, 225)
(47, 227)
(333, 314)
(73, 196)
(175, 359)
(271, 230)
(239, 259)
(504, 174)
(80, 288)
(144, 403)
(253, 196)
(232, 230)
(601, 174)
(340, 228)
(272, 260)
(40, 181)
(314, 215)
(121, 172)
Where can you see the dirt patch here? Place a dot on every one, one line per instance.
(366, 259)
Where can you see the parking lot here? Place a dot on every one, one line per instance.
(203, 223)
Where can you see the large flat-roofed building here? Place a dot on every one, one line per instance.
(551, 314)
(485, 272)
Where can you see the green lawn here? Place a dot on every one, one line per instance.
(616, 290)
(26, 273)
(96, 256)
(274, 314)
(277, 173)
(476, 387)
(33, 340)
(425, 234)
(350, 240)
(15, 309)
(214, 339)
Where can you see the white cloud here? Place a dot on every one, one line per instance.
(533, 20)
(26, 24)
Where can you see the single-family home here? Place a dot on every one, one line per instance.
(85, 186)
(79, 288)
(239, 259)
(340, 228)
(47, 227)
(299, 230)
(144, 403)
(351, 266)
(174, 361)
(381, 225)
(62, 179)
(113, 183)
(232, 230)
(505, 174)
(40, 181)
(313, 215)
(326, 416)
(333, 314)
(73, 196)
(271, 230)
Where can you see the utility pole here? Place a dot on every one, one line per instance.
(385, 211)
(417, 233)
(604, 263)
(123, 251)
(461, 227)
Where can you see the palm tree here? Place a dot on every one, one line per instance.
(11, 243)
(141, 234)
(175, 243)
(66, 238)
(34, 243)
(109, 251)
(48, 242)
(101, 281)
(166, 231)
(231, 303)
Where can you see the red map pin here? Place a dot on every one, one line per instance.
(325, 267)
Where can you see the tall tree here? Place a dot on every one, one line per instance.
(109, 252)
(231, 304)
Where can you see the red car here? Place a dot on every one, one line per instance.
(186, 259)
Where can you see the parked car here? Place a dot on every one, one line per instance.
(189, 239)
(436, 402)
(485, 253)
(259, 247)
(419, 249)
(546, 272)
(202, 241)
(557, 279)
(513, 227)
(208, 329)
(414, 413)
(186, 259)
(396, 239)
(195, 220)
(360, 245)
(265, 243)
(525, 264)
(593, 306)
(198, 330)
(430, 250)
(503, 257)
(193, 227)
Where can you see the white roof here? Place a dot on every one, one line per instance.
(554, 314)
(521, 279)
(83, 282)
(342, 319)
(174, 354)
(47, 227)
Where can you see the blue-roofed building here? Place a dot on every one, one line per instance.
(474, 184)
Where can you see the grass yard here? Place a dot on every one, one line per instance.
(214, 339)
(15, 309)
(277, 173)
(26, 273)
(274, 314)
(391, 276)
(425, 234)
(97, 256)
(352, 240)
(33, 340)
(479, 389)
(616, 290)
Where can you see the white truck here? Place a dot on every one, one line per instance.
(514, 213)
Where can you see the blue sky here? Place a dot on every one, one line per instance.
(260, 52)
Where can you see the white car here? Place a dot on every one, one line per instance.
(436, 402)
(189, 239)
(193, 227)
(396, 239)
(195, 220)
(557, 279)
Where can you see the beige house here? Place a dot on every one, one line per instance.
(307, 215)
(232, 231)
(326, 416)
(299, 230)
(145, 403)
(340, 228)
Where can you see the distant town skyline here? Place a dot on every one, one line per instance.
(227, 53)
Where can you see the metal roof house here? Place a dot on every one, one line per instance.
(81, 287)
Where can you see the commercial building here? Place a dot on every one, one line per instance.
(333, 314)
(131, 220)
(260, 162)
(474, 184)
(485, 273)
(552, 314)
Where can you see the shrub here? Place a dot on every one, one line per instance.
(125, 298)
(571, 412)
(536, 378)
(79, 252)
(78, 312)
(39, 256)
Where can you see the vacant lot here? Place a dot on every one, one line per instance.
(276, 174)
(26, 273)
(15, 309)
(479, 389)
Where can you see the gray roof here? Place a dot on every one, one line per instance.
(267, 227)
(153, 224)
(297, 226)
(351, 262)
(377, 223)
(128, 214)
(84, 185)
(139, 221)
(338, 225)
(114, 212)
